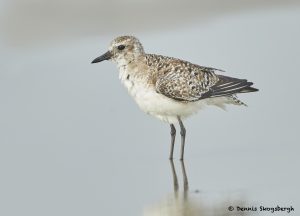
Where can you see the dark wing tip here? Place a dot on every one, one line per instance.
(249, 89)
(227, 86)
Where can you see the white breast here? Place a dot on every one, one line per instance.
(151, 102)
(158, 105)
(127, 80)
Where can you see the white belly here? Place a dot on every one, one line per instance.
(155, 104)
(162, 107)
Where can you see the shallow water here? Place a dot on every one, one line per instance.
(74, 143)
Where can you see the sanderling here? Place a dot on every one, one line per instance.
(168, 88)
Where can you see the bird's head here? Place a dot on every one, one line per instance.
(122, 50)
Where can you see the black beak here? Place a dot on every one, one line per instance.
(105, 56)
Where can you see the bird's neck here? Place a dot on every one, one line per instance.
(130, 60)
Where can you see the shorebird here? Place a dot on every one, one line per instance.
(168, 88)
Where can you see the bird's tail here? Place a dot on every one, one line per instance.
(227, 86)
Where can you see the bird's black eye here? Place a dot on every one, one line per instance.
(121, 47)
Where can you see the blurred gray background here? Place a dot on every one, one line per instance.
(72, 141)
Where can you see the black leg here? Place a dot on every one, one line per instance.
(173, 134)
(182, 133)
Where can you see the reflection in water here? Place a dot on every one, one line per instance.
(185, 203)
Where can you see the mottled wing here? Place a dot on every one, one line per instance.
(184, 81)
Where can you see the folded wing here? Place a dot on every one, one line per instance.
(184, 81)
